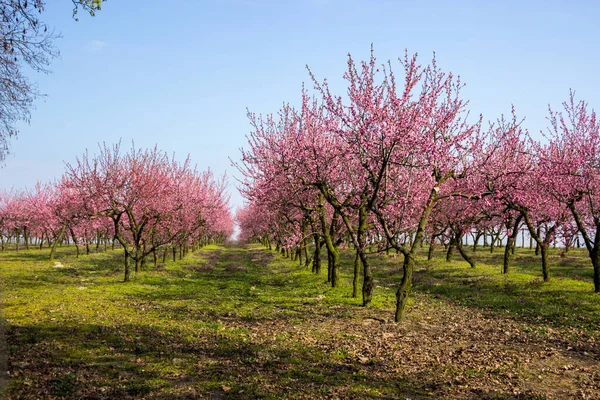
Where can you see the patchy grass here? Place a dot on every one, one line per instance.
(242, 322)
(566, 301)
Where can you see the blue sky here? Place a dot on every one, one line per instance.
(180, 74)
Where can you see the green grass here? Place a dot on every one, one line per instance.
(567, 300)
(247, 323)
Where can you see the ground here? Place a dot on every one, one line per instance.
(241, 322)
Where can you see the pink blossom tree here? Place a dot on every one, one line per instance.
(571, 171)
(142, 192)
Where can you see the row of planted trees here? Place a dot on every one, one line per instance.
(397, 162)
(144, 200)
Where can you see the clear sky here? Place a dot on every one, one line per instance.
(180, 74)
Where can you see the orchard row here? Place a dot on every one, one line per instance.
(142, 199)
(396, 162)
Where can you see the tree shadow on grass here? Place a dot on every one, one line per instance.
(533, 302)
(137, 361)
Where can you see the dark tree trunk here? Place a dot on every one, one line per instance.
(368, 282)
(316, 266)
(333, 267)
(127, 268)
(509, 250)
(593, 246)
(542, 244)
(329, 267)
(56, 241)
(596, 264)
(405, 285)
(409, 259)
(476, 238)
(356, 279)
(450, 251)
(430, 252)
(545, 267)
(463, 253)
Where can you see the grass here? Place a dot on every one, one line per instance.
(242, 322)
(568, 300)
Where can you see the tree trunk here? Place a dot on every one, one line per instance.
(356, 279)
(476, 238)
(509, 250)
(430, 252)
(545, 267)
(368, 282)
(409, 258)
(329, 266)
(307, 259)
(450, 251)
(332, 251)
(127, 268)
(596, 265)
(405, 285)
(507, 256)
(462, 251)
(542, 245)
(593, 247)
(138, 265)
(316, 266)
(530, 242)
(56, 241)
